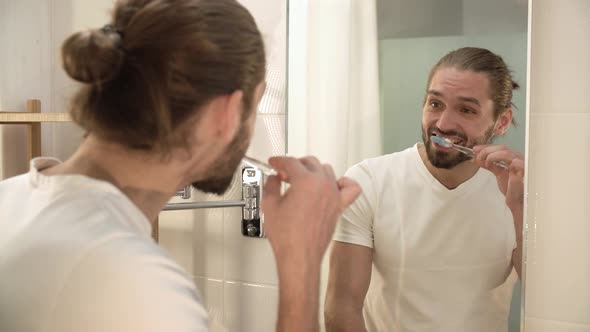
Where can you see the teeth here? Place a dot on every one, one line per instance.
(454, 141)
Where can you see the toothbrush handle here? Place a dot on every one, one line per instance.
(501, 164)
(464, 150)
(471, 154)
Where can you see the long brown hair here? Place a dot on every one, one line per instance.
(157, 63)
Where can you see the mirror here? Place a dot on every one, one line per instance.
(332, 67)
(362, 95)
(414, 35)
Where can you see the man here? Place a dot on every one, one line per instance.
(169, 97)
(431, 241)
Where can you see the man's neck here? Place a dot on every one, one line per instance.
(450, 178)
(149, 181)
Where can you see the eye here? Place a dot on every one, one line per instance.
(468, 111)
(435, 104)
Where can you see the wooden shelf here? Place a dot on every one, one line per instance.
(32, 118)
(28, 118)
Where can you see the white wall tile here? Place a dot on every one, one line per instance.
(208, 246)
(542, 325)
(195, 237)
(557, 264)
(559, 58)
(176, 237)
(250, 307)
(557, 252)
(211, 291)
(246, 259)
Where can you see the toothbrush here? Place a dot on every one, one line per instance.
(265, 168)
(445, 142)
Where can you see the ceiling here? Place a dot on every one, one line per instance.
(427, 18)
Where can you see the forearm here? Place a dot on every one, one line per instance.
(344, 321)
(517, 214)
(350, 277)
(298, 297)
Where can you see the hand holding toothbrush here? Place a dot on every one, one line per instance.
(299, 224)
(301, 220)
(510, 180)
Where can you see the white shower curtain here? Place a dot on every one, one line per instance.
(333, 109)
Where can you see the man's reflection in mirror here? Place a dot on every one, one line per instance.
(431, 242)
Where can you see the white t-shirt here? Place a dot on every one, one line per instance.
(76, 255)
(441, 258)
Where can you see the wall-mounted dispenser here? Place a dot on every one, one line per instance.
(252, 224)
(185, 193)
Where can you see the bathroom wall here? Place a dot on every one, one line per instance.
(31, 33)
(557, 252)
(236, 275)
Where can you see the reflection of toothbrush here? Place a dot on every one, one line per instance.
(265, 168)
(445, 142)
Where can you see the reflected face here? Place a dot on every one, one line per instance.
(222, 170)
(458, 106)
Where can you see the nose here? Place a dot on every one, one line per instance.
(447, 121)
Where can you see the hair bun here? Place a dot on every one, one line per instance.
(93, 56)
(515, 86)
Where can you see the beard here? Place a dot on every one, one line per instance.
(222, 170)
(448, 160)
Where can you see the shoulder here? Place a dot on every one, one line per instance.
(134, 286)
(15, 180)
(382, 166)
(10, 185)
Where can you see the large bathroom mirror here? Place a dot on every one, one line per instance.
(346, 82)
(358, 73)
(414, 35)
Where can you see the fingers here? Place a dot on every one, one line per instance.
(288, 168)
(296, 169)
(349, 191)
(486, 151)
(329, 172)
(479, 148)
(488, 156)
(515, 191)
(502, 156)
(272, 190)
(312, 163)
(517, 167)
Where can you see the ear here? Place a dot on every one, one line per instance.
(503, 123)
(224, 115)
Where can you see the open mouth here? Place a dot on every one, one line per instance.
(452, 139)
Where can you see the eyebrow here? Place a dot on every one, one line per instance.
(466, 99)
